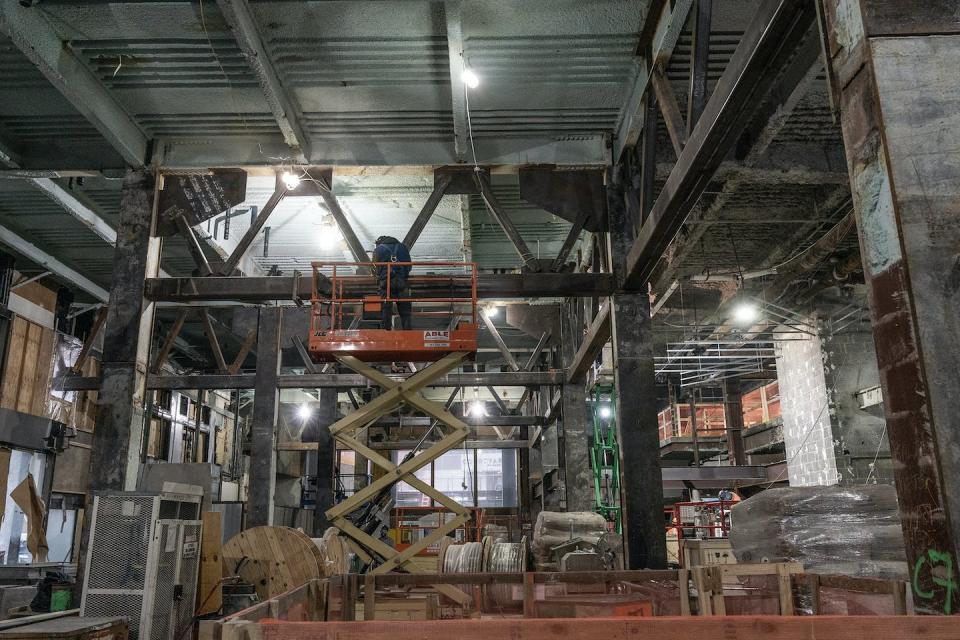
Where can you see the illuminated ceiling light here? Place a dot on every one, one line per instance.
(745, 314)
(290, 180)
(491, 312)
(469, 78)
(329, 238)
(605, 412)
(304, 412)
(477, 409)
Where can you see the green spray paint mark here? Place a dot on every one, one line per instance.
(943, 578)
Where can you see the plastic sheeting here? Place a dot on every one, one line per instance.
(555, 528)
(841, 530)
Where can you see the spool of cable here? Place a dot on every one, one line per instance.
(504, 557)
(463, 558)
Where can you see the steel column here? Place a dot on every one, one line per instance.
(326, 459)
(733, 417)
(576, 425)
(637, 429)
(115, 456)
(894, 66)
(263, 437)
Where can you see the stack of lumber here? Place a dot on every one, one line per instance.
(847, 530)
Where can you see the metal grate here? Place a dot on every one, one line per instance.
(121, 542)
(109, 605)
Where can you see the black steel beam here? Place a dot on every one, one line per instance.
(526, 256)
(440, 185)
(323, 380)
(263, 430)
(473, 421)
(699, 56)
(597, 336)
(269, 288)
(767, 46)
(279, 191)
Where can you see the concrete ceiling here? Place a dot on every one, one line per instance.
(372, 86)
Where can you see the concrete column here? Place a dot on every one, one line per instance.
(894, 69)
(115, 456)
(576, 424)
(326, 459)
(637, 430)
(263, 432)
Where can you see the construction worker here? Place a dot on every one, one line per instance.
(389, 249)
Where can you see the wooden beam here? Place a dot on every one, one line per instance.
(665, 628)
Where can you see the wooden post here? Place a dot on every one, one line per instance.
(683, 580)
(813, 584)
(786, 591)
(369, 597)
(529, 608)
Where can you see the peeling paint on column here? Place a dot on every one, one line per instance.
(881, 240)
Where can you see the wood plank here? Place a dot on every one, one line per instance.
(667, 628)
(785, 589)
(369, 597)
(210, 593)
(683, 579)
(28, 372)
(14, 365)
(44, 371)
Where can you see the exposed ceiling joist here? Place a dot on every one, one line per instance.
(243, 24)
(453, 12)
(47, 261)
(33, 35)
(767, 47)
(666, 34)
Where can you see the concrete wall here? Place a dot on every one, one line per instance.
(850, 365)
(804, 404)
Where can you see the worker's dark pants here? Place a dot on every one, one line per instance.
(404, 309)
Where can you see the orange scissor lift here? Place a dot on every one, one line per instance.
(337, 333)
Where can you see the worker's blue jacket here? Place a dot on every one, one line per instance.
(389, 249)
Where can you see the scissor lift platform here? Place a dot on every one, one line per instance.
(449, 306)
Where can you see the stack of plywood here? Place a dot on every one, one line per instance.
(28, 365)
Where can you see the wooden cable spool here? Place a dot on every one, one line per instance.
(273, 559)
(334, 553)
(504, 557)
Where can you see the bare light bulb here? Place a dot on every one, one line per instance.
(477, 409)
(329, 238)
(304, 412)
(491, 312)
(469, 78)
(605, 412)
(290, 180)
(745, 313)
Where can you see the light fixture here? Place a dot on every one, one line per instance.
(745, 313)
(491, 312)
(329, 237)
(469, 78)
(304, 412)
(605, 411)
(290, 180)
(477, 409)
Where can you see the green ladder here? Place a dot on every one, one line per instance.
(605, 455)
